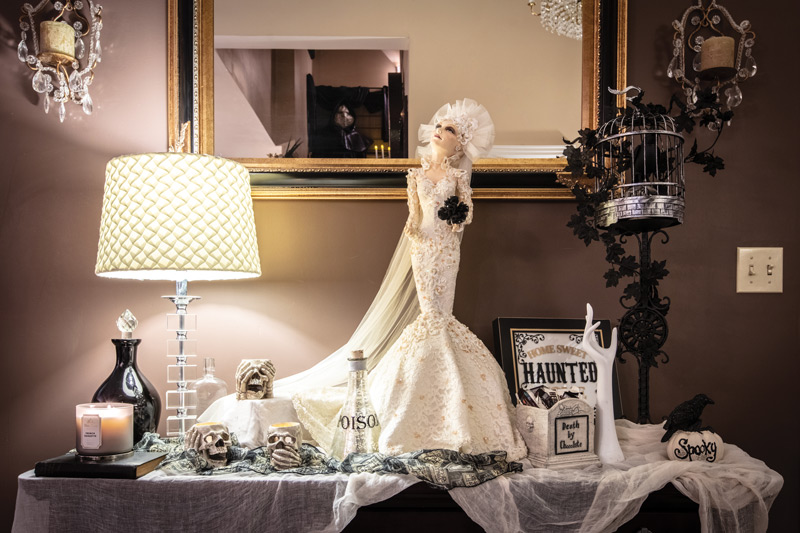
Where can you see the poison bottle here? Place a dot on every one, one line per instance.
(357, 426)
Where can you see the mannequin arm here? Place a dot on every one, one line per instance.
(464, 192)
(412, 224)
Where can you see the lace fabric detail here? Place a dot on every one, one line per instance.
(441, 388)
(425, 198)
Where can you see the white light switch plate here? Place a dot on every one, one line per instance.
(759, 270)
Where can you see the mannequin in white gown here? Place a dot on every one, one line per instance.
(437, 385)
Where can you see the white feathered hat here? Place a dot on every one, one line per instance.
(475, 128)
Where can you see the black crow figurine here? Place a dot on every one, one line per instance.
(686, 417)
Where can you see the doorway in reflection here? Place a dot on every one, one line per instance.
(310, 103)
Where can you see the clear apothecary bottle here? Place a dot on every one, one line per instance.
(209, 388)
(357, 428)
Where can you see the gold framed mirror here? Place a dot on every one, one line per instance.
(191, 58)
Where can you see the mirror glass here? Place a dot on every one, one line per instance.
(282, 70)
(279, 74)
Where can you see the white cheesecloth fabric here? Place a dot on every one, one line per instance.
(734, 494)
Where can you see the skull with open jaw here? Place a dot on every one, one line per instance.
(211, 441)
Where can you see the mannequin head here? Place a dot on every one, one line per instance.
(343, 117)
(444, 139)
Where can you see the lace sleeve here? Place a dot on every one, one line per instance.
(412, 224)
(464, 192)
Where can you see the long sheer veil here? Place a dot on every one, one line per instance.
(394, 307)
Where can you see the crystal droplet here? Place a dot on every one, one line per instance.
(671, 67)
(22, 51)
(88, 105)
(40, 81)
(74, 81)
(696, 63)
(80, 48)
(46, 103)
(750, 66)
(734, 96)
(62, 112)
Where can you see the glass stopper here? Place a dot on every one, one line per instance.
(126, 323)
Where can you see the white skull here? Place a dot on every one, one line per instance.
(254, 379)
(283, 443)
(211, 440)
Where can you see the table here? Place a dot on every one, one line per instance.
(733, 495)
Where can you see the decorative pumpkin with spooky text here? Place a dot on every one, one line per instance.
(702, 445)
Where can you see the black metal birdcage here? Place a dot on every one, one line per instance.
(642, 157)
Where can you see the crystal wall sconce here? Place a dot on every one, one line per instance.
(718, 52)
(60, 43)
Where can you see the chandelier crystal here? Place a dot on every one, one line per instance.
(60, 43)
(562, 17)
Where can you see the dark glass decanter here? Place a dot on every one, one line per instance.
(127, 384)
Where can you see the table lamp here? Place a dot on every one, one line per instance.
(178, 217)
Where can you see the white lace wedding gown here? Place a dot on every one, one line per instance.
(439, 386)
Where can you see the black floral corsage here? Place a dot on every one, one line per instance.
(453, 211)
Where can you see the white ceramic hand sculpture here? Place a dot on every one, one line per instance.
(606, 444)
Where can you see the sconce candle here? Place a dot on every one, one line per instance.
(103, 428)
(56, 42)
(716, 52)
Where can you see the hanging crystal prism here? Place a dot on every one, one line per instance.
(46, 103)
(696, 63)
(74, 81)
(22, 49)
(734, 96)
(80, 49)
(41, 81)
(62, 112)
(88, 105)
(750, 66)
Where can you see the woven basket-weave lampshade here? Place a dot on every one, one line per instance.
(177, 216)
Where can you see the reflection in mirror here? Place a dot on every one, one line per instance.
(496, 53)
(458, 58)
(312, 102)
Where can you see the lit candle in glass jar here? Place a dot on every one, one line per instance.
(103, 428)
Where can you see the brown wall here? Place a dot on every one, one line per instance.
(322, 261)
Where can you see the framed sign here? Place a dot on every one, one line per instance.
(535, 352)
